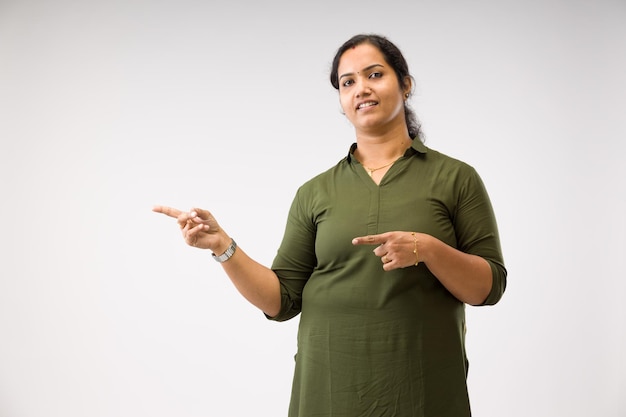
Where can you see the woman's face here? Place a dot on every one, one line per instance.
(369, 92)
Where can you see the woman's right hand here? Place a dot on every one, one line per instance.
(199, 228)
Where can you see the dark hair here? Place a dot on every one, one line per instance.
(395, 58)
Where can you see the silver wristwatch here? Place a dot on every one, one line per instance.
(227, 254)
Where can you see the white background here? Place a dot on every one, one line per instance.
(110, 107)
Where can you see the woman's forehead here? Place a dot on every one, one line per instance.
(359, 58)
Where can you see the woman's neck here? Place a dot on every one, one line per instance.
(379, 150)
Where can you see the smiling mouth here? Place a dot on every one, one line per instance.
(366, 105)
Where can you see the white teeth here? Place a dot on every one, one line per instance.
(368, 104)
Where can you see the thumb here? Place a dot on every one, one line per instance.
(203, 214)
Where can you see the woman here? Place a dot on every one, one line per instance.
(380, 255)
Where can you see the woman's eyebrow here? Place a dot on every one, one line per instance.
(364, 69)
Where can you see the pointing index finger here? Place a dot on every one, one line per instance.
(368, 240)
(168, 211)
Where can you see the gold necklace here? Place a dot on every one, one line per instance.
(371, 171)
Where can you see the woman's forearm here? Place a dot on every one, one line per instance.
(257, 283)
(467, 277)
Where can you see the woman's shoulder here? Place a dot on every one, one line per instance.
(329, 174)
(446, 161)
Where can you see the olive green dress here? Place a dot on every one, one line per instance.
(370, 342)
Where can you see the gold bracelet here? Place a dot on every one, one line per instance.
(417, 259)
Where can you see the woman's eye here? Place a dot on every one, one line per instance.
(348, 83)
(376, 75)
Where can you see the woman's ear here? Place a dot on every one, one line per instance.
(408, 86)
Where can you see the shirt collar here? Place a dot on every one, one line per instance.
(416, 147)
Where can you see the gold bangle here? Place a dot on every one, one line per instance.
(417, 259)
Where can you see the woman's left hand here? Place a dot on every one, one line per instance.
(395, 249)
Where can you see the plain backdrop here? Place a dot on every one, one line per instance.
(110, 107)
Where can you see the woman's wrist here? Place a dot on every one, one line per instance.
(423, 246)
(227, 254)
(415, 251)
(223, 243)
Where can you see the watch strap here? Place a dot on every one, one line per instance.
(230, 250)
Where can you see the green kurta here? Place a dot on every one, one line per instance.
(370, 342)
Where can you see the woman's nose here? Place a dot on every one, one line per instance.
(363, 90)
